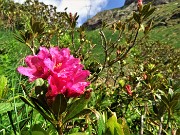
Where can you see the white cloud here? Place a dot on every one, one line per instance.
(19, 1)
(84, 8)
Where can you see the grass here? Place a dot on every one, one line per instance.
(166, 34)
(11, 54)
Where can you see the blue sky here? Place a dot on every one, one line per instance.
(84, 8)
(114, 4)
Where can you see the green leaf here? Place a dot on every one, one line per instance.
(170, 93)
(59, 105)
(37, 127)
(28, 36)
(3, 86)
(4, 107)
(178, 131)
(76, 107)
(37, 133)
(23, 123)
(20, 36)
(39, 82)
(122, 83)
(25, 100)
(146, 8)
(176, 96)
(173, 104)
(37, 27)
(38, 107)
(165, 100)
(124, 126)
(149, 13)
(83, 112)
(78, 133)
(101, 125)
(41, 97)
(162, 109)
(136, 17)
(41, 90)
(114, 127)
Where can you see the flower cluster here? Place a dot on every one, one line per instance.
(64, 73)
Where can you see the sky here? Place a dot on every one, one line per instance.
(84, 8)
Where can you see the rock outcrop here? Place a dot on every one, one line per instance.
(155, 2)
(110, 16)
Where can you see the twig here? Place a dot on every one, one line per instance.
(127, 51)
(142, 124)
(160, 125)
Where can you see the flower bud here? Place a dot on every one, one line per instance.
(139, 3)
(128, 89)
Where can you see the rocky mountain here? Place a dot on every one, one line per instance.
(110, 16)
(155, 2)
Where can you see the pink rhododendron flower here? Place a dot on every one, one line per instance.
(64, 73)
(128, 89)
(36, 67)
(70, 86)
(61, 62)
(68, 76)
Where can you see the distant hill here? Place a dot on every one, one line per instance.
(155, 2)
(167, 13)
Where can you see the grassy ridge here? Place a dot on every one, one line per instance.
(166, 34)
(166, 25)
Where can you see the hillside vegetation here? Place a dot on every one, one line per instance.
(166, 19)
(120, 79)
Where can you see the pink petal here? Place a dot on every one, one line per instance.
(27, 72)
(43, 53)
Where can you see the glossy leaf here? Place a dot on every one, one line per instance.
(25, 100)
(113, 126)
(38, 107)
(76, 107)
(136, 17)
(59, 105)
(146, 8)
(83, 112)
(41, 97)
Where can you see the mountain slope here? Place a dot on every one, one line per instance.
(165, 14)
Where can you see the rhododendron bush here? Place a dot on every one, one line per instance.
(66, 79)
(120, 85)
